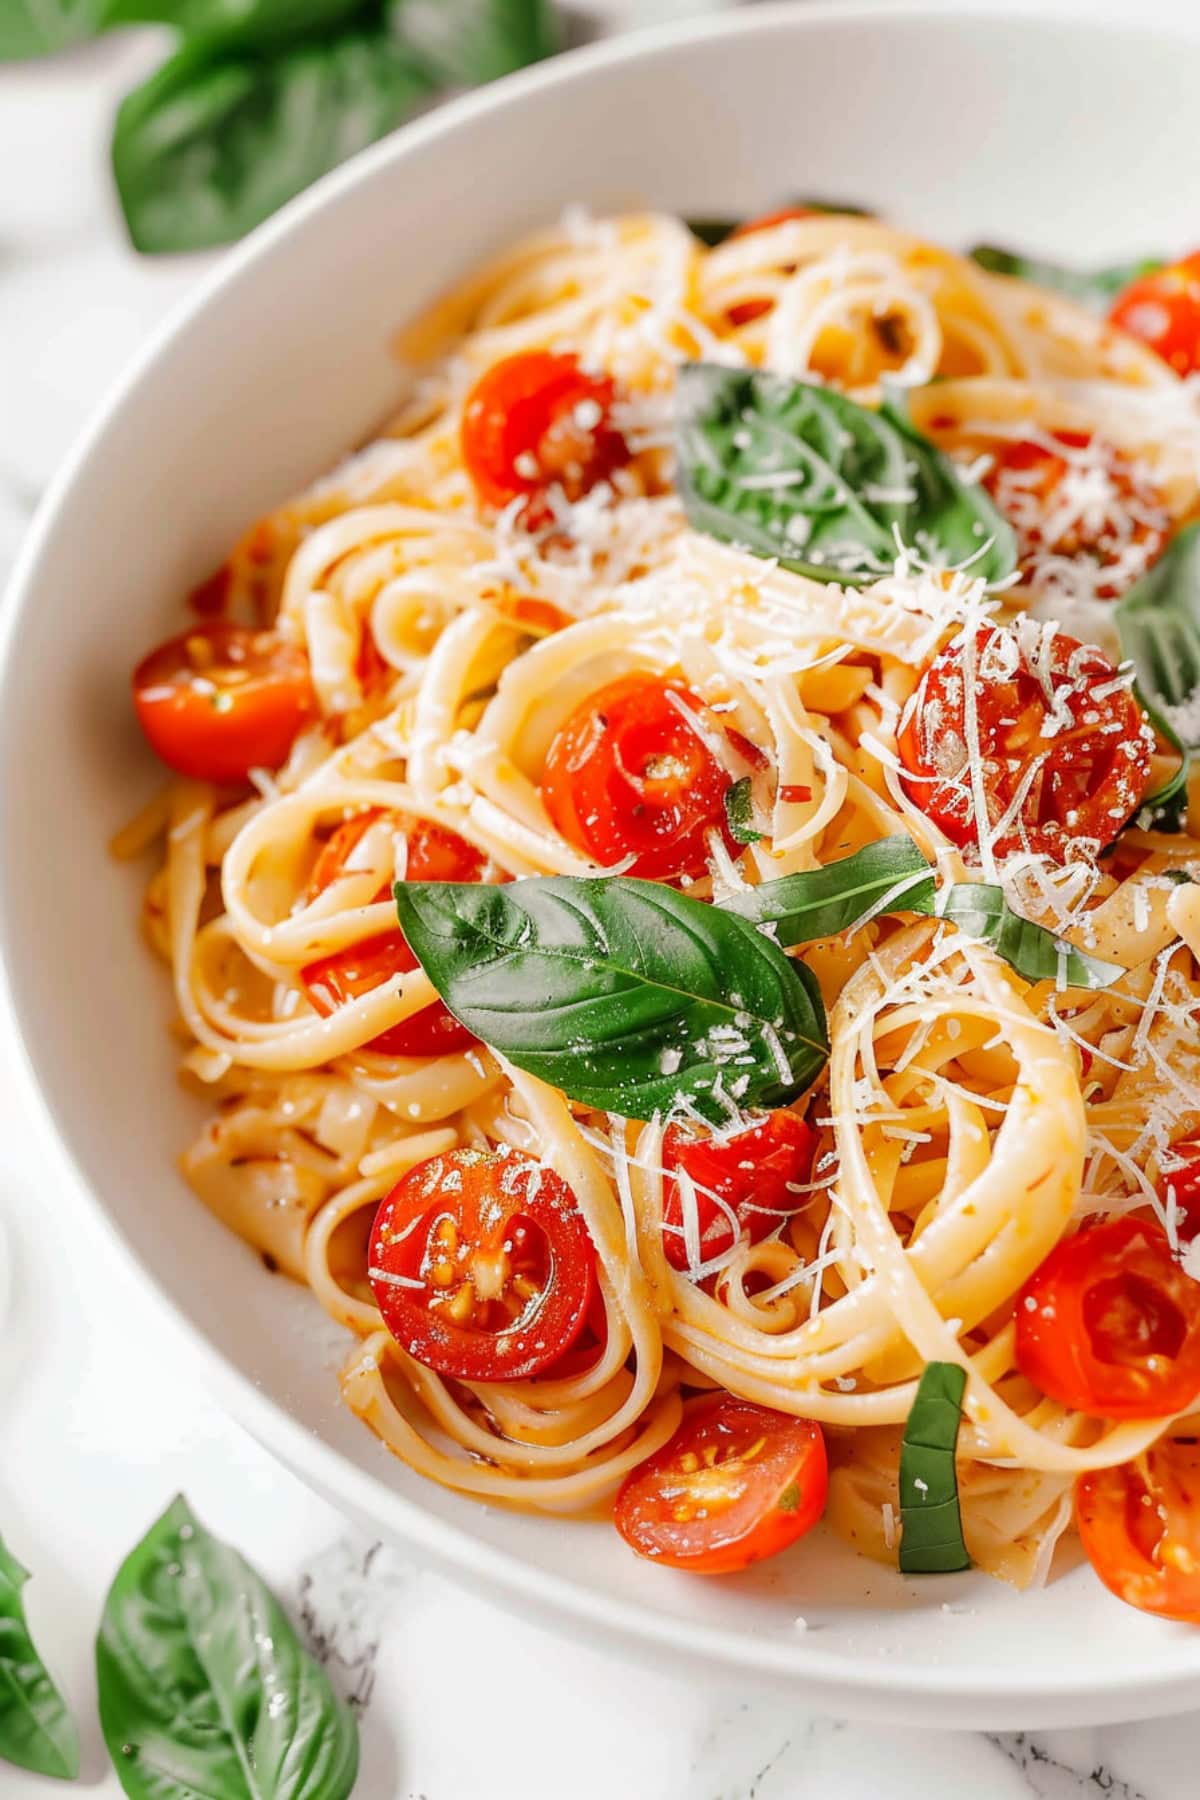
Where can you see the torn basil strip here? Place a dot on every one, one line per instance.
(1096, 287)
(830, 489)
(931, 1541)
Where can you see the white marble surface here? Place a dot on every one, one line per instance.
(102, 1420)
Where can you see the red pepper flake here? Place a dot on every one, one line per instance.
(795, 793)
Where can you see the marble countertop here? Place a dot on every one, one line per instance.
(101, 1417)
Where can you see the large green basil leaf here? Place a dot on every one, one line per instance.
(36, 1730)
(222, 134)
(1097, 288)
(41, 27)
(892, 876)
(244, 23)
(624, 994)
(468, 42)
(831, 489)
(205, 1689)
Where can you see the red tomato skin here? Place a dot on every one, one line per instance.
(1113, 748)
(1163, 310)
(434, 854)
(209, 731)
(1029, 471)
(781, 1497)
(1184, 1182)
(602, 795)
(767, 221)
(525, 407)
(780, 1150)
(1095, 1293)
(480, 1192)
(1139, 1524)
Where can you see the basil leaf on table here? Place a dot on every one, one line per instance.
(832, 490)
(237, 22)
(1096, 288)
(205, 1688)
(224, 134)
(892, 876)
(36, 1730)
(624, 994)
(931, 1541)
(42, 27)
(468, 42)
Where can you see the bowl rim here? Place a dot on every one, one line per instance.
(848, 1682)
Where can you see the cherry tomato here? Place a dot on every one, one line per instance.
(735, 1483)
(628, 775)
(481, 1265)
(1075, 769)
(1163, 309)
(220, 700)
(1085, 504)
(1140, 1527)
(434, 854)
(1182, 1178)
(755, 1172)
(536, 419)
(1110, 1323)
(766, 221)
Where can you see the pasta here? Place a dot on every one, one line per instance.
(431, 625)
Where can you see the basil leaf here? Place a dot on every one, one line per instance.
(739, 813)
(821, 903)
(624, 994)
(204, 1686)
(243, 23)
(36, 1730)
(830, 489)
(715, 231)
(931, 1541)
(892, 876)
(222, 135)
(1167, 807)
(42, 27)
(980, 910)
(468, 42)
(1159, 626)
(1096, 288)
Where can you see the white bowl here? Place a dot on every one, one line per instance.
(1065, 137)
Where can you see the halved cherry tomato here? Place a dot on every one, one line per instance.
(1086, 503)
(1110, 1323)
(1163, 309)
(220, 700)
(1182, 1179)
(434, 854)
(628, 775)
(1140, 1526)
(536, 419)
(482, 1265)
(755, 1172)
(766, 221)
(736, 1483)
(1058, 737)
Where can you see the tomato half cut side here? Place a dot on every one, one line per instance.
(757, 1173)
(1163, 310)
(629, 774)
(482, 1266)
(1077, 504)
(538, 419)
(1110, 1323)
(434, 854)
(1139, 1525)
(735, 1484)
(220, 700)
(1043, 726)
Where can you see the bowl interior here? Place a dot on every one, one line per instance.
(1065, 138)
